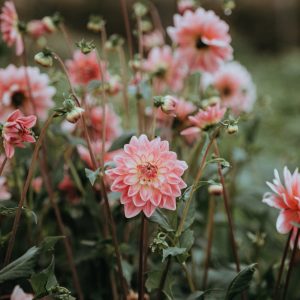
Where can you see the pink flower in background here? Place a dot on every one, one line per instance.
(84, 68)
(36, 28)
(285, 197)
(148, 175)
(19, 294)
(235, 86)
(37, 183)
(68, 187)
(202, 38)
(184, 5)
(114, 85)
(183, 109)
(212, 115)
(9, 25)
(14, 93)
(4, 194)
(166, 69)
(16, 131)
(153, 39)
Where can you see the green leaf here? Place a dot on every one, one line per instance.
(198, 295)
(224, 163)
(241, 282)
(22, 267)
(11, 211)
(49, 242)
(161, 219)
(121, 141)
(172, 251)
(187, 239)
(92, 175)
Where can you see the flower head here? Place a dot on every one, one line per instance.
(148, 175)
(183, 109)
(16, 131)
(19, 294)
(14, 92)
(36, 28)
(202, 38)
(10, 27)
(167, 104)
(285, 197)
(153, 39)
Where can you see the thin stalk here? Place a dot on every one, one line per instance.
(289, 273)
(142, 255)
(163, 279)
(188, 277)
(25, 190)
(66, 36)
(140, 37)
(127, 26)
(3, 165)
(103, 37)
(280, 272)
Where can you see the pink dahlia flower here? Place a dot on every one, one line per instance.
(285, 197)
(235, 86)
(84, 68)
(153, 39)
(202, 38)
(204, 119)
(183, 109)
(4, 194)
(14, 93)
(16, 131)
(9, 25)
(37, 28)
(19, 294)
(184, 5)
(166, 69)
(148, 175)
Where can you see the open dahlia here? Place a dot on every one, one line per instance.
(285, 197)
(202, 38)
(148, 175)
(9, 25)
(14, 92)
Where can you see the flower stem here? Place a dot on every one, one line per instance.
(163, 279)
(189, 277)
(3, 165)
(280, 272)
(291, 264)
(127, 26)
(66, 36)
(25, 189)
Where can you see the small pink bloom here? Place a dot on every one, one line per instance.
(168, 105)
(36, 28)
(183, 109)
(202, 38)
(16, 131)
(148, 175)
(114, 85)
(9, 23)
(285, 197)
(14, 93)
(184, 5)
(212, 115)
(36, 184)
(4, 194)
(68, 187)
(84, 68)
(166, 69)
(235, 86)
(18, 294)
(153, 39)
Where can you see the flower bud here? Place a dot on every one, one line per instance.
(86, 47)
(146, 26)
(49, 24)
(215, 189)
(74, 115)
(114, 42)
(44, 58)
(96, 23)
(167, 104)
(232, 129)
(140, 9)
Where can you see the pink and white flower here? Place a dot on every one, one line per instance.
(148, 175)
(184, 5)
(153, 39)
(9, 25)
(36, 28)
(4, 194)
(202, 38)
(14, 92)
(19, 294)
(184, 109)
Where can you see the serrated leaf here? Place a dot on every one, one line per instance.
(92, 175)
(241, 282)
(161, 219)
(11, 211)
(121, 141)
(172, 251)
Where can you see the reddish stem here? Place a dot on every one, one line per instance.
(127, 26)
(3, 165)
(142, 257)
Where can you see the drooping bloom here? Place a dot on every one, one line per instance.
(84, 68)
(235, 86)
(16, 131)
(14, 92)
(285, 197)
(19, 294)
(204, 119)
(148, 175)
(202, 38)
(153, 39)
(9, 25)
(4, 194)
(166, 69)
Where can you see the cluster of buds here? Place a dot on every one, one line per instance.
(159, 242)
(96, 23)
(70, 110)
(114, 42)
(85, 46)
(44, 58)
(166, 103)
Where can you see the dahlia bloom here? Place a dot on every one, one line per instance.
(148, 175)
(14, 92)
(36, 28)
(285, 197)
(4, 194)
(84, 67)
(202, 38)
(16, 131)
(235, 86)
(183, 109)
(153, 39)
(204, 119)
(166, 69)
(19, 294)
(9, 26)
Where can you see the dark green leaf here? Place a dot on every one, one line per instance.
(121, 141)
(161, 219)
(49, 242)
(172, 251)
(92, 175)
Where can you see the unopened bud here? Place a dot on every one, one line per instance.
(140, 9)
(86, 47)
(232, 129)
(49, 24)
(167, 104)
(44, 58)
(114, 42)
(74, 115)
(146, 26)
(215, 189)
(96, 23)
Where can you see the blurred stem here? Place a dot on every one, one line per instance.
(103, 37)
(140, 36)
(291, 264)
(3, 165)
(189, 277)
(66, 36)
(156, 18)
(163, 279)
(25, 189)
(276, 294)
(127, 26)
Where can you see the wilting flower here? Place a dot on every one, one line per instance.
(85, 68)
(285, 197)
(204, 119)
(4, 194)
(235, 87)
(14, 92)
(153, 39)
(19, 294)
(148, 175)
(202, 38)
(10, 27)
(165, 68)
(184, 5)
(16, 131)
